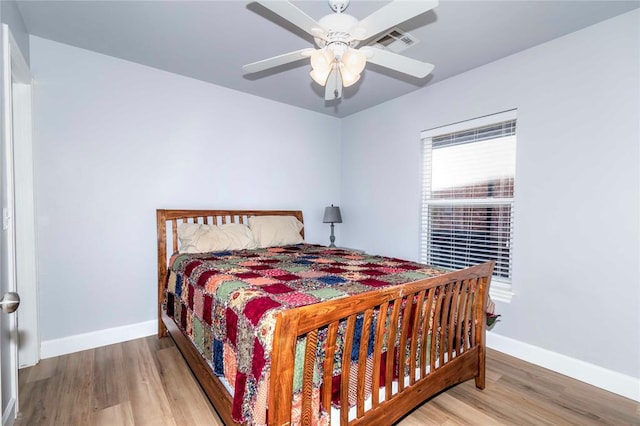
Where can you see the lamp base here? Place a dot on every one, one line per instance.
(332, 238)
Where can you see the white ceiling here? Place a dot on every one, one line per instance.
(211, 40)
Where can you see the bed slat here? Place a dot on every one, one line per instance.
(174, 233)
(452, 319)
(406, 320)
(346, 369)
(462, 318)
(330, 350)
(426, 331)
(377, 352)
(362, 361)
(418, 311)
(436, 330)
(307, 376)
(391, 340)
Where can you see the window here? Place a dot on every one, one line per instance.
(467, 204)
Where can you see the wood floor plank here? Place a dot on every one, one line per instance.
(613, 408)
(188, 402)
(43, 370)
(582, 403)
(76, 389)
(147, 396)
(429, 416)
(146, 382)
(120, 414)
(446, 409)
(36, 404)
(110, 382)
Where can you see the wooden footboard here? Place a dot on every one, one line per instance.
(437, 326)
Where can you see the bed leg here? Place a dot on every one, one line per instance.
(480, 378)
(162, 330)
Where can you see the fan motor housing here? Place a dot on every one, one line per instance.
(338, 27)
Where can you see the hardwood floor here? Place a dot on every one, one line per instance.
(146, 382)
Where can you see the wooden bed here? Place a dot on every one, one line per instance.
(449, 308)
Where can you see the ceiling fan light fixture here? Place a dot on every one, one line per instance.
(338, 62)
(322, 60)
(349, 77)
(320, 76)
(355, 60)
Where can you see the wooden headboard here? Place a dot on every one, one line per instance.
(167, 227)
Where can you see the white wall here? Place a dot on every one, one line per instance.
(11, 16)
(114, 140)
(576, 264)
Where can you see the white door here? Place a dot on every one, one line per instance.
(8, 351)
(25, 224)
(13, 69)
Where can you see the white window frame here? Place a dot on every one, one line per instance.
(501, 289)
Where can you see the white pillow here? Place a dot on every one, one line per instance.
(236, 236)
(270, 231)
(200, 238)
(188, 235)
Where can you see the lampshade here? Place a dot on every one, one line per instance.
(319, 76)
(322, 60)
(332, 215)
(354, 60)
(348, 77)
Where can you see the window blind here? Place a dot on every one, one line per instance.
(468, 189)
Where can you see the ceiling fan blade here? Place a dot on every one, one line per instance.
(391, 15)
(397, 62)
(294, 15)
(277, 61)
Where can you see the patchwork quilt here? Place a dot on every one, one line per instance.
(227, 302)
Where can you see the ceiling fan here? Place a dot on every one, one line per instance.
(338, 62)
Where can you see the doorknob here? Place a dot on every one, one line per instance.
(10, 302)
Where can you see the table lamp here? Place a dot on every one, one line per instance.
(332, 215)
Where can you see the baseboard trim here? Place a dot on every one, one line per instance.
(609, 380)
(95, 339)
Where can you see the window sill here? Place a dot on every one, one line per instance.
(500, 291)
